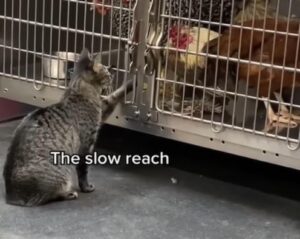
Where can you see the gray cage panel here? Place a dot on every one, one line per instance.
(133, 37)
(197, 95)
(41, 39)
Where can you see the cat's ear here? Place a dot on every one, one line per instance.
(85, 54)
(84, 62)
(85, 57)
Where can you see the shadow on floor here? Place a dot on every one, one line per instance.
(213, 164)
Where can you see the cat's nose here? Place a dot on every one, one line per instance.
(110, 68)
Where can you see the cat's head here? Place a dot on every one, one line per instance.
(89, 71)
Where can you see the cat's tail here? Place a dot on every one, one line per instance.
(34, 200)
(32, 191)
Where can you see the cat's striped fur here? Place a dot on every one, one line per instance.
(71, 126)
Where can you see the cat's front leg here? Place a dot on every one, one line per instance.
(82, 173)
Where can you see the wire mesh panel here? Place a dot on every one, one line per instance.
(212, 71)
(40, 40)
(192, 62)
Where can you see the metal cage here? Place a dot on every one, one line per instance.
(177, 96)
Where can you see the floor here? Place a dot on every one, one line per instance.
(212, 199)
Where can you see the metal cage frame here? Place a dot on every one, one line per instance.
(139, 60)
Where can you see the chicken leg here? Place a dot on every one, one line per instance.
(282, 119)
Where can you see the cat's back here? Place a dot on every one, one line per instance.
(29, 173)
(42, 131)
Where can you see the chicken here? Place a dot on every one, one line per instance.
(183, 64)
(189, 39)
(215, 11)
(266, 47)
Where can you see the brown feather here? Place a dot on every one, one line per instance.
(262, 48)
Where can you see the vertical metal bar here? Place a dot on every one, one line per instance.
(186, 58)
(51, 34)
(76, 26)
(59, 40)
(224, 91)
(93, 31)
(216, 78)
(195, 72)
(272, 63)
(259, 75)
(4, 36)
(293, 92)
(12, 37)
(284, 61)
(296, 65)
(177, 55)
(126, 50)
(138, 38)
(110, 33)
(232, 21)
(205, 71)
(149, 70)
(167, 52)
(273, 56)
(35, 70)
(121, 9)
(43, 39)
(102, 29)
(237, 68)
(165, 69)
(84, 27)
(213, 126)
(27, 36)
(67, 33)
(19, 38)
(149, 75)
(248, 73)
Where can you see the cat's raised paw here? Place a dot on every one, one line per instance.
(88, 188)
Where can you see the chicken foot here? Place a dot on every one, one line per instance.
(282, 119)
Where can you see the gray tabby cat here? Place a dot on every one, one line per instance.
(70, 126)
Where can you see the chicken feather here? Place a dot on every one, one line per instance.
(265, 43)
(262, 44)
